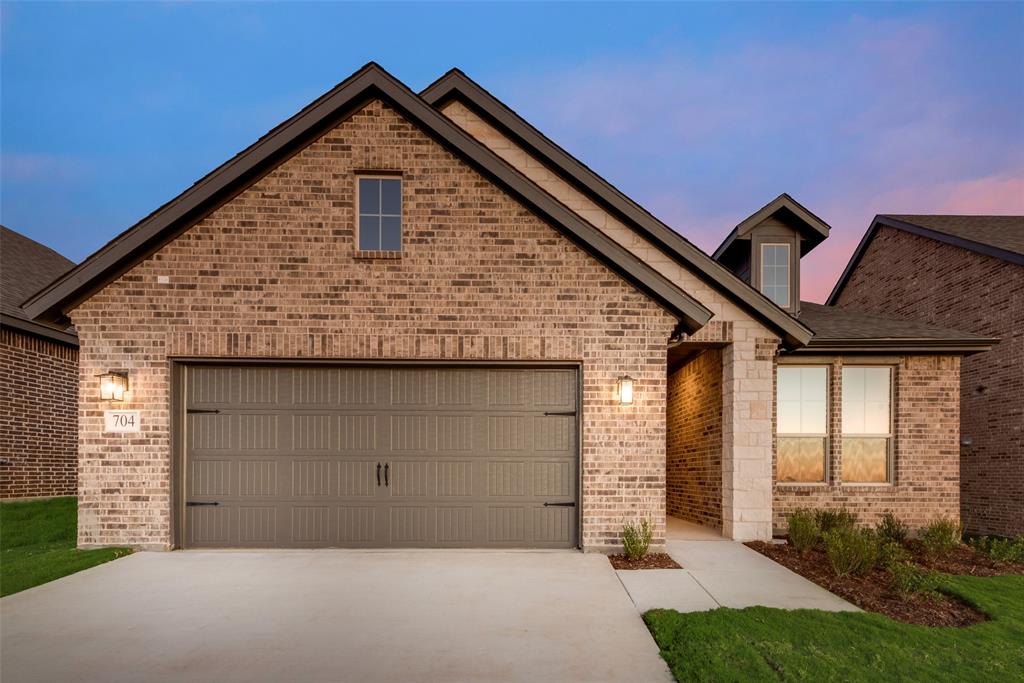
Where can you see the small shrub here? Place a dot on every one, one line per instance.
(1002, 549)
(804, 531)
(636, 538)
(909, 579)
(851, 551)
(890, 529)
(891, 553)
(829, 520)
(940, 538)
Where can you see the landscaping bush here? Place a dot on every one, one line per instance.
(1002, 549)
(909, 579)
(851, 551)
(829, 520)
(636, 538)
(940, 538)
(804, 531)
(891, 553)
(890, 529)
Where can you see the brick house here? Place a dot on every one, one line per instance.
(966, 272)
(405, 319)
(39, 376)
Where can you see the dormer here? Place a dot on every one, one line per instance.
(766, 248)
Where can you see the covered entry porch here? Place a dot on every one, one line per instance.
(719, 435)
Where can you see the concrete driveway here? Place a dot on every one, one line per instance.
(331, 615)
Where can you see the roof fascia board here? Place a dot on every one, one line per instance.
(908, 345)
(881, 220)
(38, 330)
(455, 84)
(371, 81)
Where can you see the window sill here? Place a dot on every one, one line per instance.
(867, 485)
(803, 484)
(375, 255)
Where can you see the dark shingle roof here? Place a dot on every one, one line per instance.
(26, 266)
(842, 328)
(1001, 232)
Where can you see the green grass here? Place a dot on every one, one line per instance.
(759, 644)
(37, 544)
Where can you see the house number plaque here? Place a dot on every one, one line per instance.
(122, 421)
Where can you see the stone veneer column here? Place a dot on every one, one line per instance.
(747, 409)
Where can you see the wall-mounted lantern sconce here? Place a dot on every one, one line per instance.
(624, 388)
(113, 385)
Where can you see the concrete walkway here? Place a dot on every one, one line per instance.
(331, 616)
(721, 573)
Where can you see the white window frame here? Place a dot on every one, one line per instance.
(401, 211)
(789, 272)
(890, 450)
(825, 437)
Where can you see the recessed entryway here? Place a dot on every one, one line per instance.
(306, 456)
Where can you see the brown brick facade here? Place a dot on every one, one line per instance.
(694, 421)
(912, 277)
(925, 480)
(273, 273)
(38, 416)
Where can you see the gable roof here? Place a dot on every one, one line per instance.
(25, 267)
(813, 229)
(1001, 237)
(843, 330)
(455, 85)
(370, 82)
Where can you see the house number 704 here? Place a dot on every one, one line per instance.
(123, 421)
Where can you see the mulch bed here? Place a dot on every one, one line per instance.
(650, 561)
(872, 592)
(964, 561)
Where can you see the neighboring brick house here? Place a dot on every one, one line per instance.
(38, 376)
(406, 319)
(965, 272)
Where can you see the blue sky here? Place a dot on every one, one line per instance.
(701, 112)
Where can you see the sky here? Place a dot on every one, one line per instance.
(701, 112)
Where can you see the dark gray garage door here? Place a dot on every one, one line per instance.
(302, 457)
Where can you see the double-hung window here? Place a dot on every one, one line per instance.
(867, 424)
(775, 273)
(380, 213)
(802, 423)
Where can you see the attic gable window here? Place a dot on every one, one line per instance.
(379, 203)
(775, 273)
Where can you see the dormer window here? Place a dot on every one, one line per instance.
(775, 278)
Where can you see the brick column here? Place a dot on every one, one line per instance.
(747, 411)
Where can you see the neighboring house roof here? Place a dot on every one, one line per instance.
(1001, 237)
(370, 82)
(842, 330)
(455, 85)
(26, 266)
(813, 229)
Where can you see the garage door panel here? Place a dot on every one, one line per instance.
(471, 457)
(413, 433)
(411, 525)
(258, 525)
(552, 525)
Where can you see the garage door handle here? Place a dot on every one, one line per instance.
(548, 413)
(193, 504)
(559, 505)
(387, 466)
(378, 474)
(201, 411)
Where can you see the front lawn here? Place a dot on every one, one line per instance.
(37, 544)
(759, 643)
